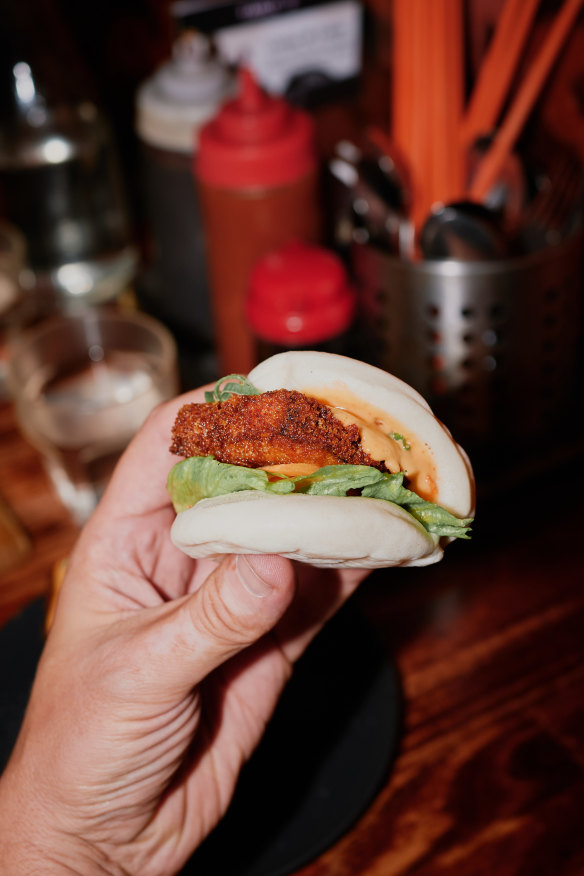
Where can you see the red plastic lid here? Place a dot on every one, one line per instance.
(255, 140)
(299, 295)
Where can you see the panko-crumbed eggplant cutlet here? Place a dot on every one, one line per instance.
(274, 428)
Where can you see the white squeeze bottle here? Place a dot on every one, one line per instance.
(171, 107)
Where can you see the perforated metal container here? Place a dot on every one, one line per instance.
(493, 346)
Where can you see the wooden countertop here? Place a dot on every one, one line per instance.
(26, 490)
(489, 778)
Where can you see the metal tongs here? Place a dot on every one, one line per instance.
(371, 202)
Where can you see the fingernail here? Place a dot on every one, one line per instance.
(250, 579)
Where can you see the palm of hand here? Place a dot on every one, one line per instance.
(173, 755)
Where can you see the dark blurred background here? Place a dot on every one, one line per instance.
(106, 49)
(103, 51)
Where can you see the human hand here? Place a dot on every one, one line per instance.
(156, 683)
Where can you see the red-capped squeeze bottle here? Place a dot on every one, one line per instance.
(300, 298)
(257, 175)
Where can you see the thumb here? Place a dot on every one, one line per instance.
(240, 601)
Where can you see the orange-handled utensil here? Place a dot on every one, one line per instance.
(497, 69)
(523, 103)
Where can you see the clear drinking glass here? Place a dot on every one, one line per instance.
(82, 384)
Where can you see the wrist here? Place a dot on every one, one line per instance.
(29, 844)
(26, 856)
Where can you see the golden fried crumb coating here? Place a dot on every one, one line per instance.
(274, 428)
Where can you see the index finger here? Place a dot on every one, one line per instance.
(138, 484)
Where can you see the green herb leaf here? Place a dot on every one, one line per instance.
(232, 384)
(397, 437)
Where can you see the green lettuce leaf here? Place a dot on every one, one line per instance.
(433, 517)
(337, 480)
(201, 477)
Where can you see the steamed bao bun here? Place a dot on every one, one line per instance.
(333, 531)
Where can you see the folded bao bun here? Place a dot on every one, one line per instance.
(333, 531)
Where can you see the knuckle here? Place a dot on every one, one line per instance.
(214, 618)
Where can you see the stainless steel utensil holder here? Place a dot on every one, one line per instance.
(494, 346)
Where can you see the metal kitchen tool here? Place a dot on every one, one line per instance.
(556, 210)
(463, 230)
(373, 197)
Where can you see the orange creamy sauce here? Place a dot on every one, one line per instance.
(410, 455)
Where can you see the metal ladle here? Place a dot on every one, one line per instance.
(463, 230)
